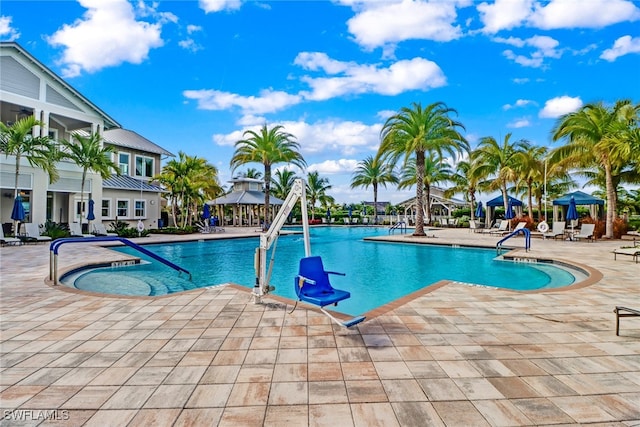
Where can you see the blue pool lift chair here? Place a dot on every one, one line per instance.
(312, 286)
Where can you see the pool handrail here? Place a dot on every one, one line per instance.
(55, 246)
(399, 225)
(527, 239)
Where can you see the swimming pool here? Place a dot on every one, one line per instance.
(376, 272)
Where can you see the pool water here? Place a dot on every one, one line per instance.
(376, 272)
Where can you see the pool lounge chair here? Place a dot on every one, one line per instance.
(519, 226)
(556, 230)
(100, 230)
(31, 232)
(624, 312)
(633, 252)
(8, 240)
(76, 230)
(586, 232)
(501, 228)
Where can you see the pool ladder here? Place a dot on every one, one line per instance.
(400, 225)
(527, 239)
(55, 247)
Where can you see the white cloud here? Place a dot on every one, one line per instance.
(560, 106)
(543, 47)
(623, 46)
(193, 29)
(330, 167)
(107, 35)
(521, 81)
(503, 14)
(190, 45)
(210, 6)
(519, 123)
(385, 114)
(7, 32)
(582, 14)
(555, 14)
(344, 137)
(519, 103)
(401, 76)
(267, 102)
(373, 27)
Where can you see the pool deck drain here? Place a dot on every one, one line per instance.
(458, 355)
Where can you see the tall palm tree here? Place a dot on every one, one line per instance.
(530, 170)
(373, 172)
(497, 163)
(268, 147)
(414, 131)
(464, 182)
(17, 140)
(89, 153)
(317, 188)
(595, 134)
(283, 183)
(251, 173)
(435, 170)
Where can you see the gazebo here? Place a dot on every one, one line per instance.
(247, 200)
(499, 202)
(561, 204)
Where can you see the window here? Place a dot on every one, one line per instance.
(80, 209)
(140, 209)
(105, 208)
(144, 166)
(123, 163)
(123, 208)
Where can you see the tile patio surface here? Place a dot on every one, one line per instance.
(459, 355)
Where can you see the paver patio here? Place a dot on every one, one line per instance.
(459, 355)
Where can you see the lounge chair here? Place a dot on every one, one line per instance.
(504, 224)
(475, 226)
(76, 230)
(32, 233)
(8, 240)
(633, 252)
(624, 312)
(365, 220)
(100, 230)
(586, 232)
(519, 226)
(556, 230)
(345, 220)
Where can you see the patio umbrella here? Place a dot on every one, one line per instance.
(206, 212)
(509, 213)
(572, 212)
(17, 214)
(90, 215)
(328, 213)
(350, 212)
(479, 211)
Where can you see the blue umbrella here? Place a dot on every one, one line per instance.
(328, 212)
(508, 215)
(91, 216)
(572, 212)
(479, 211)
(350, 211)
(206, 212)
(17, 214)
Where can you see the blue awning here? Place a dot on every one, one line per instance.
(580, 197)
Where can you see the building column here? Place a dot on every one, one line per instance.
(35, 132)
(44, 129)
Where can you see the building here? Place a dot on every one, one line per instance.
(441, 206)
(246, 200)
(28, 87)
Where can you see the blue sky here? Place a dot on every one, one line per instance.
(194, 75)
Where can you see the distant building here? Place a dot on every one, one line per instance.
(441, 207)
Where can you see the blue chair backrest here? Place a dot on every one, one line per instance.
(312, 268)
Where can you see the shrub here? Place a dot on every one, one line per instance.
(531, 225)
(55, 230)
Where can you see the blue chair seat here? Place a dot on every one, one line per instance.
(312, 283)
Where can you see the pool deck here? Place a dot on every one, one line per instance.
(459, 355)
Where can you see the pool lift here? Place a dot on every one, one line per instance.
(312, 282)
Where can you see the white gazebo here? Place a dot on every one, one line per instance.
(247, 201)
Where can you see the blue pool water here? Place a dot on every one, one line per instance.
(376, 272)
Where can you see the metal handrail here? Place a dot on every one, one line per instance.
(399, 225)
(55, 246)
(527, 239)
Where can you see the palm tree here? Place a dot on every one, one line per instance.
(317, 191)
(596, 136)
(530, 165)
(251, 173)
(464, 182)
(283, 183)
(435, 170)
(89, 154)
(497, 164)
(415, 131)
(268, 147)
(373, 172)
(17, 140)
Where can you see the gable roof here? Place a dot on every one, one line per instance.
(109, 122)
(245, 198)
(126, 182)
(130, 139)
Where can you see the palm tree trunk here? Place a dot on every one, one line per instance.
(375, 202)
(419, 231)
(15, 191)
(427, 191)
(530, 190)
(84, 177)
(472, 201)
(540, 216)
(611, 200)
(267, 189)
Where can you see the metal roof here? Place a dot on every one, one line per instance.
(580, 197)
(126, 182)
(245, 198)
(129, 139)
